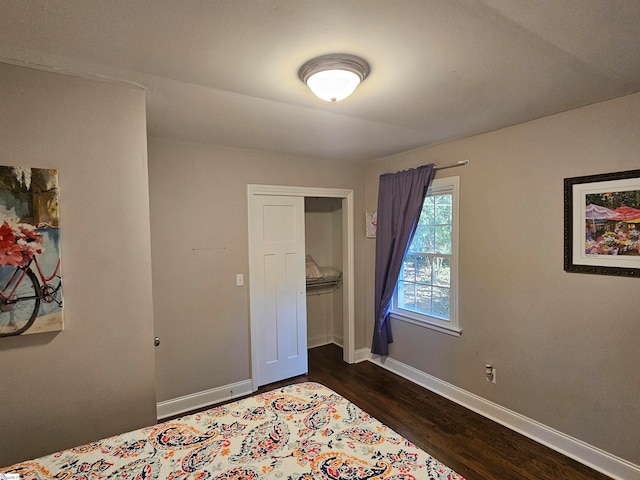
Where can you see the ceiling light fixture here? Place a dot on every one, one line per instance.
(335, 76)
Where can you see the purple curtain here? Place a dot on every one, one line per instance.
(400, 199)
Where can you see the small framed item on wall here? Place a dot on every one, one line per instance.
(602, 224)
(30, 271)
(371, 219)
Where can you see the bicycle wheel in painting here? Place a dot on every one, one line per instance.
(19, 307)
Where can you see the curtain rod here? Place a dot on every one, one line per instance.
(461, 163)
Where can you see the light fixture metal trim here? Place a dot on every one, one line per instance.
(321, 75)
(334, 61)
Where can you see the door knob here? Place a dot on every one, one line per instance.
(156, 341)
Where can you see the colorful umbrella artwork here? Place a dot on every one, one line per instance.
(612, 232)
(597, 212)
(627, 214)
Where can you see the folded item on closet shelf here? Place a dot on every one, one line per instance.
(330, 273)
(312, 269)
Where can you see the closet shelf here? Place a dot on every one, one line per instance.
(323, 286)
(321, 280)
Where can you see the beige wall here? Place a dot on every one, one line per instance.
(565, 346)
(95, 378)
(199, 244)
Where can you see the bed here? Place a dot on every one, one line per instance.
(303, 431)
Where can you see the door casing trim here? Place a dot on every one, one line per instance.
(347, 262)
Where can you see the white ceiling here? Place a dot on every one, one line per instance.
(225, 71)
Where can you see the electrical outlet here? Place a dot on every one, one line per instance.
(491, 374)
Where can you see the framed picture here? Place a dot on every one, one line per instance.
(602, 224)
(371, 220)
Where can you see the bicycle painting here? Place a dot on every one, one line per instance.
(30, 271)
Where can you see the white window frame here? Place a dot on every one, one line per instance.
(452, 326)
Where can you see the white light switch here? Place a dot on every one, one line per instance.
(239, 280)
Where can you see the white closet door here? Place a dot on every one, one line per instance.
(277, 288)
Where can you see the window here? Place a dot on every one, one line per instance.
(426, 292)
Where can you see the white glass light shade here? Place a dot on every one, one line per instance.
(333, 85)
(335, 76)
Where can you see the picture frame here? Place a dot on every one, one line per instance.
(371, 222)
(602, 224)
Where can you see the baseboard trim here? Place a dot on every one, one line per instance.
(194, 401)
(362, 355)
(578, 450)
(319, 341)
(323, 340)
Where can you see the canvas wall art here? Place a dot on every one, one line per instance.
(30, 267)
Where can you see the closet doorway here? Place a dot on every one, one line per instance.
(323, 270)
(256, 196)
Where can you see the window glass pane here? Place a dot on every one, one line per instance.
(423, 298)
(408, 272)
(443, 239)
(408, 297)
(442, 271)
(443, 209)
(427, 216)
(441, 302)
(418, 241)
(423, 240)
(423, 270)
(424, 285)
(429, 239)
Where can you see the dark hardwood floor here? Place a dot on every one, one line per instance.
(475, 447)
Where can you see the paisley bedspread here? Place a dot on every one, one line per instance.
(300, 432)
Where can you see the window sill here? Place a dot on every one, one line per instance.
(453, 331)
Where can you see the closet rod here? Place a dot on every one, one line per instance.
(461, 163)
